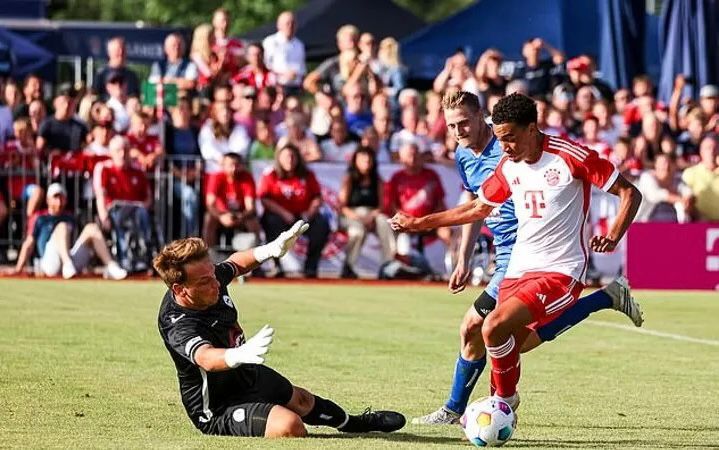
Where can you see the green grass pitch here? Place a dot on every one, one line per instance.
(82, 366)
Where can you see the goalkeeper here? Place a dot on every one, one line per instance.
(225, 388)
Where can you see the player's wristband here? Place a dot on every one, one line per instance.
(262, 253)
(233, 357)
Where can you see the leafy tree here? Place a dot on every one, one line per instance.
(246, 14)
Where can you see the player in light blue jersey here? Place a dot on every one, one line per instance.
(477, 155)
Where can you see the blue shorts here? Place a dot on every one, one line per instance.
(500, 269)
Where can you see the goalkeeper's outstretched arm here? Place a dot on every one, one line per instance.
(248, 260)
(214, 359)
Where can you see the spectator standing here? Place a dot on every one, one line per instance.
(332, 71)
(62, 133)
(230, 51)
(255, 74)
(31, 90)
(201, 54)
(184, 151)
(116, 89)
(175, 68)
(392, 73)
(117, 63)
(488, 74)
(285, 54)
(541, 75)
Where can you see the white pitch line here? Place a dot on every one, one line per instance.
(676, 337)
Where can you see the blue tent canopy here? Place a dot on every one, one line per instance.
(27, 57)
(89, 39)
(622, 28)
(689, 41)
(571, 26)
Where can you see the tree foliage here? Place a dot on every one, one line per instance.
(247, 14)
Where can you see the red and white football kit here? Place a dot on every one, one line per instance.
(551, 200)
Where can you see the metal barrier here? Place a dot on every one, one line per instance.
(176, 182)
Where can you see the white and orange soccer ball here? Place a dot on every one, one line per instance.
(488, 422)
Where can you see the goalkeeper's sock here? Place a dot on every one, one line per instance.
(466, 374)
(326, 413)
(579, 311)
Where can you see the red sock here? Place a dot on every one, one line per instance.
(505, 367)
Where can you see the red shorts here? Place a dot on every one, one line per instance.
(546, 294)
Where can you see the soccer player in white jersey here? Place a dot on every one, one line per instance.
(549, 179)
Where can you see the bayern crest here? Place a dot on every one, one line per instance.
(552, 176)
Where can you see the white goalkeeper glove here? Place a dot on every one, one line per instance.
(252, 351)
(280, 246)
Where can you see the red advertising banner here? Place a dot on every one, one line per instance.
(673, 256)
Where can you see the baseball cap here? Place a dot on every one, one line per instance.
(580, 63)
(56, 189)
(709, 90)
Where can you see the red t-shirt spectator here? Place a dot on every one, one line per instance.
(123, 184)
(295, 194)
(16, 157)
(147, 144)
(255, 78)
(230, 194)
(416, 194)
(233, 49)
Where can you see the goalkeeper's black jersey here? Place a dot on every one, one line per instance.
(184, 331)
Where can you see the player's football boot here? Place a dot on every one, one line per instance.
(512, 401)
(623, 301)
(385, 421)
(442, 416)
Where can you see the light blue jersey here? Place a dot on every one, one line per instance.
(474, 169)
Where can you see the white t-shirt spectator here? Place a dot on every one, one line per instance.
(331, 152)
(213, 149)
(404, 136)
(122, 118)
(283, 55)
(655, 205)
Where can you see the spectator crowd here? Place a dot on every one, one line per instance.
(240, 103)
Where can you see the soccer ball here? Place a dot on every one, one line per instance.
(488, 422)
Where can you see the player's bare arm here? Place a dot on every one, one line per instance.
(629, 200)
(470, 234)
(460, 215)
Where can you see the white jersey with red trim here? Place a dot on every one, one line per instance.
(551, 201)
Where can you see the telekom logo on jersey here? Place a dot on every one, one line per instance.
(534, 201)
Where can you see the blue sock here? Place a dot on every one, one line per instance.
(466, 374)
(579, 311)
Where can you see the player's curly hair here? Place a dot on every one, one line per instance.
(170, 262)
(457, 99)
(515, 108)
